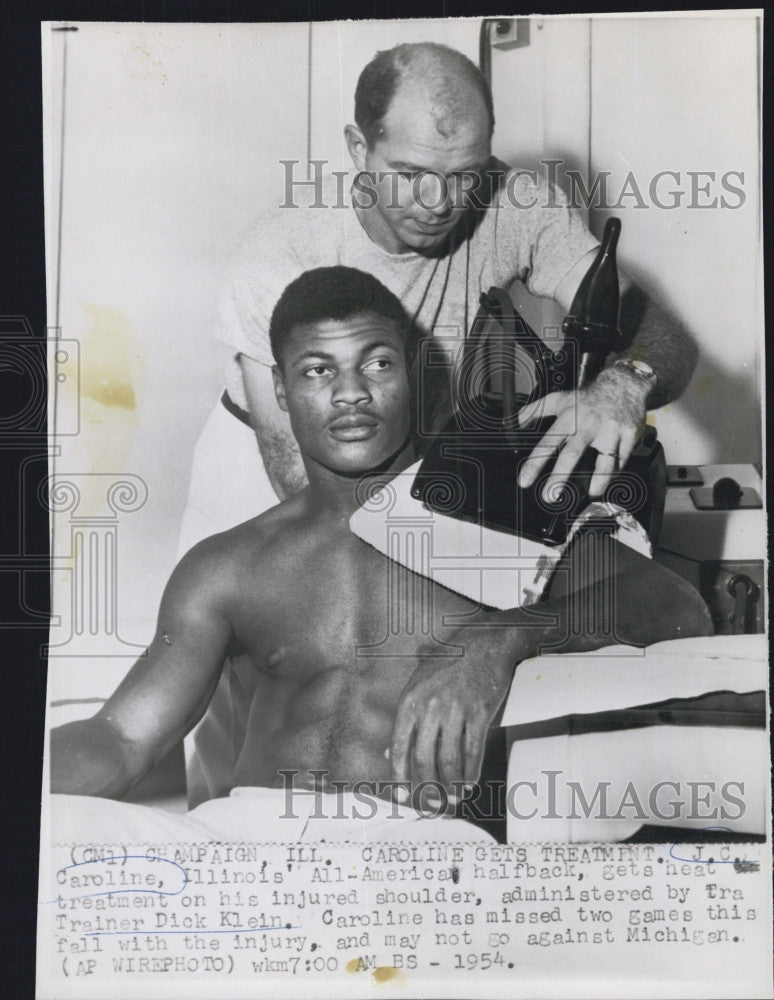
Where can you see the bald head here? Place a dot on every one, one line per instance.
(441, 80)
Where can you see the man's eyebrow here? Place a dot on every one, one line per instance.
(403, 165)
(415, 168)
(308, 355)
(380, 345)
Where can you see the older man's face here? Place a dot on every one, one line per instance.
(423, 172)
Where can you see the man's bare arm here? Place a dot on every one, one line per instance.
(161, 698)
(277, 445)
(603, 593)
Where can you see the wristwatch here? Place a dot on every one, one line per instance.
(639, 368)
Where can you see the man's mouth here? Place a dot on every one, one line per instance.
(353, 428)
(432, 228)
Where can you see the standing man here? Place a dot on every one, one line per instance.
(438, 220)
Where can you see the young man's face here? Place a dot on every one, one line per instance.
(345, 387)
(422, 176)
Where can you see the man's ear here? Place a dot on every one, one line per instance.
(357, 145)
(279, 387)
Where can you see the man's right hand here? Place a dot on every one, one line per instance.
(89, 757)
(447, 708)
(607, 415)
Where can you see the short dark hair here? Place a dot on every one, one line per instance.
(379, 81)
(335, 293)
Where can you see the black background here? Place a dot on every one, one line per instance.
(22, 294)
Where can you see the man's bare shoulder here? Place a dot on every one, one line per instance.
(219, 558)
(252, 537)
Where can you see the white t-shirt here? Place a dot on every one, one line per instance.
(526, 232)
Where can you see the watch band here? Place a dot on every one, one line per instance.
(639, 368)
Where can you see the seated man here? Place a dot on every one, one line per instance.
(300, 605)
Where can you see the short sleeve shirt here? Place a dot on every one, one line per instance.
(521, 228)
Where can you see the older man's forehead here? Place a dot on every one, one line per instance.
(424, 125)
(439, 95)
(407, 153)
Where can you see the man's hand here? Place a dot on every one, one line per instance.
(607, 415)
(447, 707)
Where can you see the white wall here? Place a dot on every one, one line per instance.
(542, 97)
(340, 50)
(172, 140)
(648, 94)
(681, 94)
(541, 94)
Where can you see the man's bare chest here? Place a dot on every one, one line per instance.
(342, 605)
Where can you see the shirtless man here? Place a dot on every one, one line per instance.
(299, 599)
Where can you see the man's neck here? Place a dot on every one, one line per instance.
(378, 232)
(339, 495)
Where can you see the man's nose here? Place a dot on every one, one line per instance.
(434, 194)
(351, 387)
